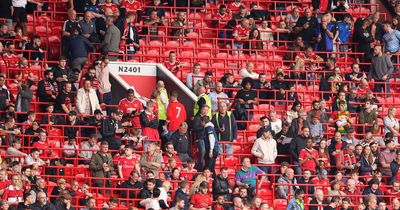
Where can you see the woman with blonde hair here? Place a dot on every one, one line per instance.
(391, 124)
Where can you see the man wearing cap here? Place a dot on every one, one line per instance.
(102, 166)
(264, 148)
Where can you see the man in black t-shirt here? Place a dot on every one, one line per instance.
(64, 100)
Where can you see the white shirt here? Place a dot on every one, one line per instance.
(276, 126)
(192, 79)
(149, 203)
(19, 3)
(214, 96)
(244, 73)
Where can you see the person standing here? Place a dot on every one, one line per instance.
(86, 99)
(102, 166)
(198, 130)
(225, 127)
(176, 112)
(264, 148)
(111, 40)
(210, 143)
(202, 99)
(103, 76)
(381, 70)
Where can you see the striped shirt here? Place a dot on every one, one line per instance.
(392, 40)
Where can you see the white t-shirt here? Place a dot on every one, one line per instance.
(149, 203)
(19, 3)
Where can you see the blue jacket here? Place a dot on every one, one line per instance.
(78, 46)
(211, 139)
(292, 205)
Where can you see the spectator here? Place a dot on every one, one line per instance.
(297, 202)
(193, 77)
(180, 141)
(179, 27)
(395, 166)
(373, 189)
(341, 118)
(58, 190)
(221, 20)
(264, 87)
(42, 202)
(24, 97)
(128, 162)
(111, 40)
(333, 204)
(151, 160)
(391, 124)
(275, 123)
(33, 158)
(367, 117)
(149, 122)
(327, 33)
(286, 184)
(221, 186)
(176, 113)
(78, 48)
(26, 203)
(264, 148)
(45, 150)
(316, 129)
(344, 30)
(40, 186)
(391, 38)
(226, 128)
(153, 201)
(65, 99)
(131, 183)
(201, 199)
(305, 182)
(86, 99)
(182, 195)
(254, 45)
(131, 108)
(335, 190)
(241, 33)
(264, 124)
(381, 70)
(13, 194)
(130, 33)
(293, 17)
(367, 161)
(89, 147)
(211, 145)
(111, 128)
(148, 190)
(297, 119)
(134, 7)
(47, 89)
(355, 75)
(247, 176)
(35, 52)
(248, 71)
(102, 166)
(70, 149)
(173, 64)
(280, 86)
(198, 131)
(156, 5)
(308, 157)
(297, 145)
(151, 26)
(217, 96)
(245, 100)
(88, 27)
(306, 26)
(202, 100)
(205, 82)
(171, 153)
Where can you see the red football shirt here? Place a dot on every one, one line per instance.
(310, 163)
(127, 107)
(321, 184)
(176, 114)
(222, 19)
(44, 147)
(113, 7)
(201, 201)
(188, 175)
(234, 7)
(131, 6)
(241, 32)
(170, 66)
(128, 164)
(11, 60)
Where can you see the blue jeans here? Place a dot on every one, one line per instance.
(202, 151)
(382, 86)
(265, 168)
(297, 169)
(228, 149)
(107, 99)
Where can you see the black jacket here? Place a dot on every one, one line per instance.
(296, 146)
(221, 187)
(315, 203)
(78, 46)
(181, 143)
(183, 196)
(47, 206)
(130, 188)
(198, 129)
(108, 129)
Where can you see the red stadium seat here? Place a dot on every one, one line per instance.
(280, 203)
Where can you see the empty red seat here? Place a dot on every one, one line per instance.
(280, 203)
(155, 43)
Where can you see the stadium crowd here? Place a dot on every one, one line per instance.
(153, 155)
